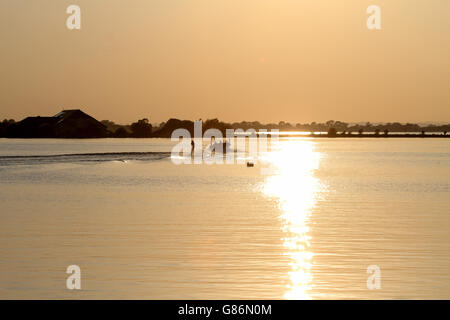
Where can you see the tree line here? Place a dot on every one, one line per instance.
(144, 129)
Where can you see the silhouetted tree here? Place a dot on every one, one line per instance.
(386, 132)
(5, 125)
(360, 131)
(377, 132)
(121, 133)
(141, 129)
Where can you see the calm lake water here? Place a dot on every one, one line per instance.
(304, 223)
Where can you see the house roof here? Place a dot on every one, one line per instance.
(74, 114)
(65, 124)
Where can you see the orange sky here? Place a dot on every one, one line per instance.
(266, 60)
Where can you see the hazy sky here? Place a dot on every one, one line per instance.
(266, 60)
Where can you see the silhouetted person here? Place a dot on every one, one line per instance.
(192, 146)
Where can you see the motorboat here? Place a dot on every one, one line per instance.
(220, 147)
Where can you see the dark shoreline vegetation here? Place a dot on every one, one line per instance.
(77, 124)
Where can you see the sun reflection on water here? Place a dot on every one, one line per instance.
(293, 184)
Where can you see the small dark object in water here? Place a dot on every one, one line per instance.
(250, 164)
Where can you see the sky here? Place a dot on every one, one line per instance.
(264, 60)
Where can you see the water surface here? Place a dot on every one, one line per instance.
(304, 223)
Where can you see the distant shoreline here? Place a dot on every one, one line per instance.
(367, 135)
(281, 135)
(75, 124)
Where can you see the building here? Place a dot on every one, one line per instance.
(66, 124)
